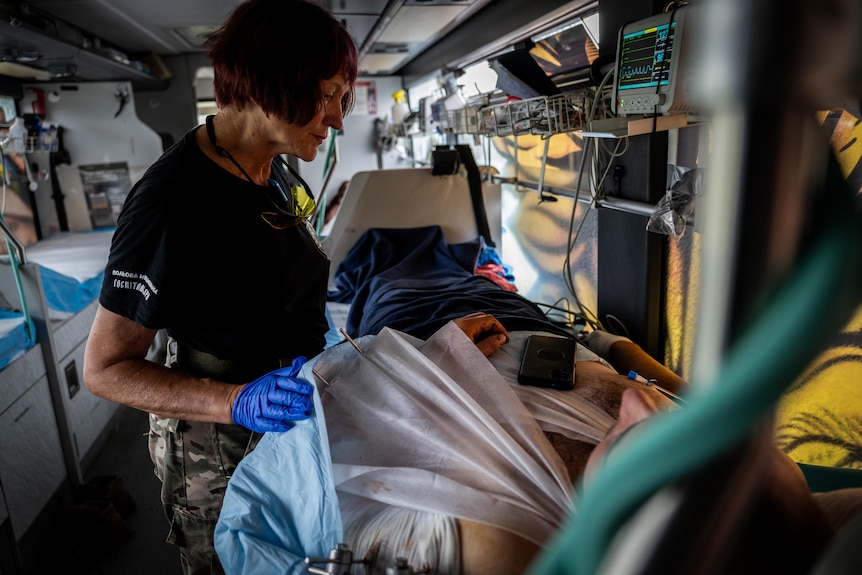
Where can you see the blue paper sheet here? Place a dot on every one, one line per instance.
(257, 533)
(72, 265)
(14, 340)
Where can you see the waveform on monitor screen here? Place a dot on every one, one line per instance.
(629, 72)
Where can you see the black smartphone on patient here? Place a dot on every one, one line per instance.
(548, 361)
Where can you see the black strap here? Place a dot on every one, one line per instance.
(205, 364)
(61, 156)
(474, 179)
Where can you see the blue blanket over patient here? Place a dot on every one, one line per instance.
(414, 281)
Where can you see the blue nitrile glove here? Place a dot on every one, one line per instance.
(275, 400)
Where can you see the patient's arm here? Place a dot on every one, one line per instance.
(626, 356)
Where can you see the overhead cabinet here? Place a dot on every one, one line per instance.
(64, 53)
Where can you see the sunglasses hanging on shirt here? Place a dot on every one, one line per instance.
(300, 203)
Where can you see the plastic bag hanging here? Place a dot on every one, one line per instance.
(672, 213)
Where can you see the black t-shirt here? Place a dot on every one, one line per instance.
(193, 254)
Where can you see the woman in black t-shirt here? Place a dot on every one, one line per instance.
(213, 246)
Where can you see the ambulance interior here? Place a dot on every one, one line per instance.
(707, 209)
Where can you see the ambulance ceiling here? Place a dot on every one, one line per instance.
(389, 33)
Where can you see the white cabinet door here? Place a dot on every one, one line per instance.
(31, 459)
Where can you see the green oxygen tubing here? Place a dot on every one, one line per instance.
(756, 370)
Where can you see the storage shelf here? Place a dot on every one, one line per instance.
(66, 61)
(624, 127)
(30, 144)
(548, 116)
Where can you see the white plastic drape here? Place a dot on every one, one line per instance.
(432, 426)
(419, 434)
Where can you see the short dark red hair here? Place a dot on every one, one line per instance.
(277, 53)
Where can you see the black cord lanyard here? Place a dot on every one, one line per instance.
(225, 154)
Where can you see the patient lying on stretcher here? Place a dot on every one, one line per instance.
(438, 455)
(422, 447)
(468, 478)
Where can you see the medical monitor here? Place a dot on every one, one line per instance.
(651, 66)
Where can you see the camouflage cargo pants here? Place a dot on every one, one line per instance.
(194, 461)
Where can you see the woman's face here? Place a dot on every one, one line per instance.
(304, 141)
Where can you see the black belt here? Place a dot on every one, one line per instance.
(205, 364)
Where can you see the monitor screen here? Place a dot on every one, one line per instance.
(567, 49)
(645, 57)
(649, 66)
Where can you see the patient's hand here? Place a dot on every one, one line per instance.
(484, 330)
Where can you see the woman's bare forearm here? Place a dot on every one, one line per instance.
(162, 391)
(116, 368)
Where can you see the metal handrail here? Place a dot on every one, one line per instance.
(13, 239)
(543, 115)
